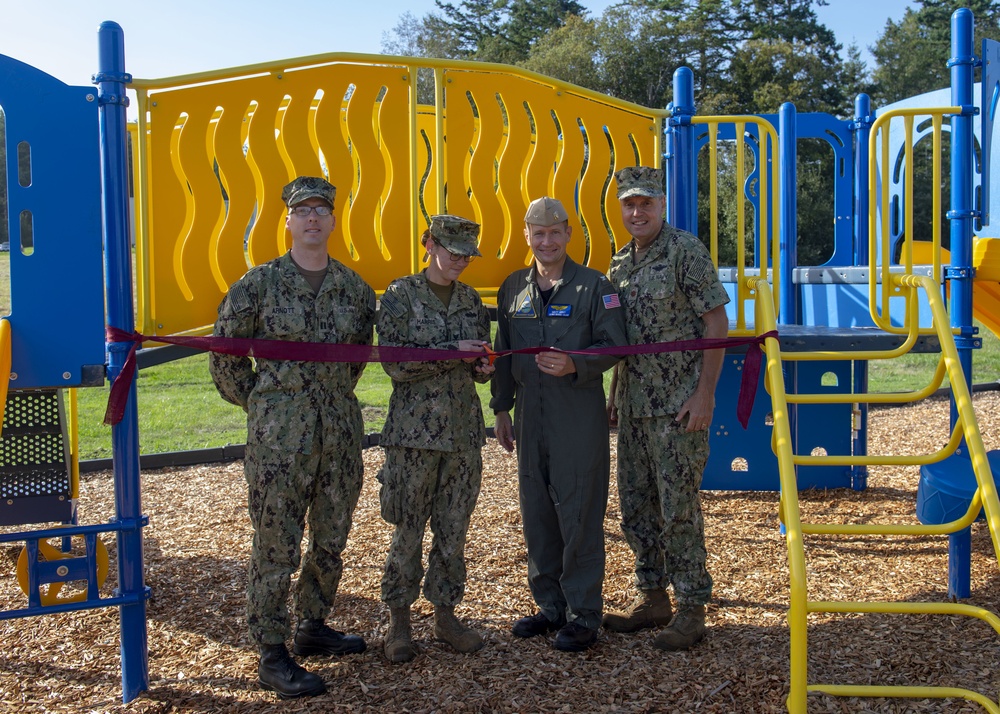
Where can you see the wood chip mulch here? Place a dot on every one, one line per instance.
(200, 659)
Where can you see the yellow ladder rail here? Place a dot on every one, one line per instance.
(966, 426)
(847, 690)
(799, 604)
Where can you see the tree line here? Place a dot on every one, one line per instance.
(747, 57)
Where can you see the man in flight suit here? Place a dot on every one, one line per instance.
(560, 425)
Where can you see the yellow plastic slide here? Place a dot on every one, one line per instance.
(986, 288)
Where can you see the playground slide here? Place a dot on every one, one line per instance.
(986, 304)
(986, 288)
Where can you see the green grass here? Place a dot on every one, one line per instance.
(179, 410)
(914, 371)
(177, 405)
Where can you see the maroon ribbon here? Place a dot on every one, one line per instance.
(327, 352)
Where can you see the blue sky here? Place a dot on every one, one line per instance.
(184, 36)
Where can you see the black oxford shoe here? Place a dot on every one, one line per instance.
(532, 625)
(574, 637)
(278, 672)
(313, 637)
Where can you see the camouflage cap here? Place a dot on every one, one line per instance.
(456, 234)
(639, 181)
(545, 211)
(308, 187)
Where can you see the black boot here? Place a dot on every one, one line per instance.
(313, 637)
(278, 672)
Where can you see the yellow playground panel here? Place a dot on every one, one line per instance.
(216, 149)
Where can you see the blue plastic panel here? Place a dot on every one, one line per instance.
(57, 291)
(833, 305)
(742, 459)
(836, 305)
(826, 427)
(989, 101)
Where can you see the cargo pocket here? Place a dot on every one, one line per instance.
(390, 495)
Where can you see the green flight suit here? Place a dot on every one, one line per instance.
(561, 432)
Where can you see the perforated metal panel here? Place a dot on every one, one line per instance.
(35, 477)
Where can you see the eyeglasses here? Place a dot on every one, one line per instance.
(456, 258)
(304, 211)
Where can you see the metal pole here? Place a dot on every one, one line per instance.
(682, 177)
(111, 80)
(789, 227)
(961, 215)
(862, 131)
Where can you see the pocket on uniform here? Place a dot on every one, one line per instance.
(345, 320)
(284, 321)
(390, 495)
(663, 289)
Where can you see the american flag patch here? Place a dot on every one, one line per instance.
(611, 301)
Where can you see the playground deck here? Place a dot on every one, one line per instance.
(201, 661)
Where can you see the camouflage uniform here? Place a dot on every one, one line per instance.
(304, 433)
(561, 432)
(660, 466)
(432, 437)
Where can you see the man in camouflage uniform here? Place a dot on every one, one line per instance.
(663, 406)
(561, 428)
(304, 429)
(433, 435)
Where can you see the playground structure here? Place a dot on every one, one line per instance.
(211, 152)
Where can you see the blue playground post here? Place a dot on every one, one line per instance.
(788, 310)
(788, 231)
(111, 80)
(863, 119)
(962, 63)
(682, 160)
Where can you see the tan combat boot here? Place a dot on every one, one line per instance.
(651, 608)
(448, 629)
(685, 631)
(399, 640)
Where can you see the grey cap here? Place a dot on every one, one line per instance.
(456, 234)
(545, 211)
(308, 187)
(639, 181)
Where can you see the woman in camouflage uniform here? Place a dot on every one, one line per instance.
(433, 435)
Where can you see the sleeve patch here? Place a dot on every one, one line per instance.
(611, 301)
(239, 299)
(700, 270)
(392, 305)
